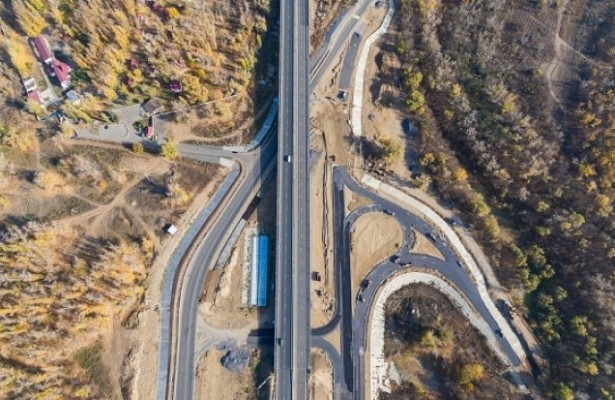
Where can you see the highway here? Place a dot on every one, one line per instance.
(292, 336)
(255, 165)
(292, 329)
(180, 382)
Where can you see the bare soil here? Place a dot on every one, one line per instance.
(354, 201)
(321, 378)
(321, 257)
(373, 238)
(216, 382)
(422, 245)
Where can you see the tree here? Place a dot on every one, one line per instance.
(20, 55)
(4, 201)
(562, 392)
(137, 148)
(415, 102)
(460, 175)
(391, 149)
(469, 375)
(29, 18)
(36, 108)
(172, 12)
(455, 90)
(169, 150)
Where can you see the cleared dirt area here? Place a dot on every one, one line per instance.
(216, 382)
(436, 352)
(321, 379)
(321, 257)
(373, 238)
(422, 245)
(354, 201)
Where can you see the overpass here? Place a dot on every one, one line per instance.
(292, 330)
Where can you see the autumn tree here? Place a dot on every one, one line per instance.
(29, 16)
(469, 375)
(169, 150)
(137, 148)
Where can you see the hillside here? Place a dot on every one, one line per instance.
(83, 223)
(515, 101)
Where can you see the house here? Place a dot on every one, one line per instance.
(73, 97)
(134, 63)
(149, 132)
(152, 106)
(34, 96)
(30, 85)
(171, 229)
(62, 72)
(42, 50)
(176, 86)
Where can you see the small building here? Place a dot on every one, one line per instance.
(152, 106)
(134, 63)
(171, 229)
(35, 97)
(176, 86)
(30, 85)
(42, 49)
(73, 97)
(149, 132)
(260, 267)
(62, 73)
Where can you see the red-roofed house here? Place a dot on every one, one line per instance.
(176, 86)
(62, 73)
(34, 96)
(134, 63)
(149, 132)
(42, 49)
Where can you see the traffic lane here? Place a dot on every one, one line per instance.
(194, 280)
(351, 22)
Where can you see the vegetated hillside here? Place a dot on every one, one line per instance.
(57, 297)
(437, 353)
(80, 224)
(130, 50)
(516, 106)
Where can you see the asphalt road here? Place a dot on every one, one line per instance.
(336, 40)
(292, 328)
(255, 165)
(354, 327)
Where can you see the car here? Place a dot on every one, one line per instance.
(395, 259)
(388, 212)
(499, 333)
(459, 263)
(365, 283)
(287, 158)
(280, 341)
(431, 237)
(360, 298)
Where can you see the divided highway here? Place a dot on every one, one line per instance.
(292, 330)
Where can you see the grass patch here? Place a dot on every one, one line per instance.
(90, 359)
